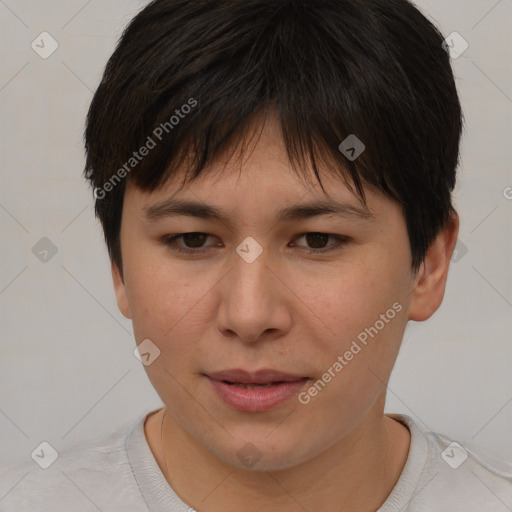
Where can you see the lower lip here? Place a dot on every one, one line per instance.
(257, 399)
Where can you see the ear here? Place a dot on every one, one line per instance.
(120, 290)
(430, 282)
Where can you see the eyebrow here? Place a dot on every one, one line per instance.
(174, 207)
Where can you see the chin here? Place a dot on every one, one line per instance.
(259, 453)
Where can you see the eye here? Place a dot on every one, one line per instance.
(319, 239)
(194, 239)
(194, 242)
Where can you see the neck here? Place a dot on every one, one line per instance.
(356, 473)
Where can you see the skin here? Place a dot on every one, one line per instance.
(287, 310)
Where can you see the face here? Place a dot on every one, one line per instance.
(321, 301)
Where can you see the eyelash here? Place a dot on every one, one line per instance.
(170, 241)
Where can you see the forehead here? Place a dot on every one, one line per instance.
(262, 179)
(257, 176)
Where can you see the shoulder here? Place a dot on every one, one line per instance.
(455, 474)
(472, 471)
(94, 474)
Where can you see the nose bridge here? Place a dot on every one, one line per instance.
(251, 272)
(249, 304)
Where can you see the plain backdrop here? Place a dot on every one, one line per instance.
(67, 369)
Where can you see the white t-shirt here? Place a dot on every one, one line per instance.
(118, 473)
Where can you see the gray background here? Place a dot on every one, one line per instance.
(67, 369)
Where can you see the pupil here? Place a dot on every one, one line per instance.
(194, 237)
(316, 237)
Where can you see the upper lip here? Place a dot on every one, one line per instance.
(262, 376)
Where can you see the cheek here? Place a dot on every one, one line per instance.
(171, 306)
(159, 294)
(363, 320)
(350, 299)
(167, 309)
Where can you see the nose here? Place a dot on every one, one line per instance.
(254, 302)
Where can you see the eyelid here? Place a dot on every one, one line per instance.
(340, 238)
(170, 241)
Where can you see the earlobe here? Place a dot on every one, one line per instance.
(430, 282)
(120, 290)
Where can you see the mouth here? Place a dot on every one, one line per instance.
(252, 386)
(264, 377)
(255, 391)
